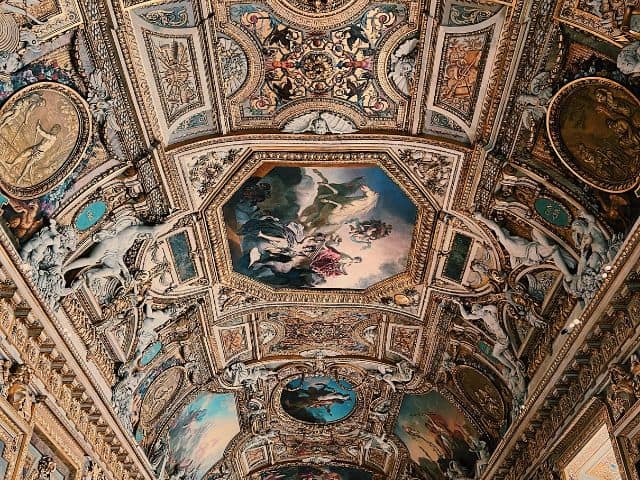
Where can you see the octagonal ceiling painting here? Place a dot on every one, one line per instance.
(319, 227)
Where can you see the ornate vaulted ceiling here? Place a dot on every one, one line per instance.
(317, 239)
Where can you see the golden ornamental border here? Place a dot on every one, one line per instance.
(555, 138)
(420, 244)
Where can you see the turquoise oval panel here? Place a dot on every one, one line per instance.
(318, 399)
(552, 211)
(150, 353)
(90, 215)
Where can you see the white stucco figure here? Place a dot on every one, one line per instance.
(320, 123)
(400, 374)
(106, 259)
(530, 252)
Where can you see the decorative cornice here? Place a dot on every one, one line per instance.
(571, 374)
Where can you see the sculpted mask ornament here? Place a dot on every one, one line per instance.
(46, 466)
(19, 395)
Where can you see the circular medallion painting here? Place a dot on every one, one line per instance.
(318, 399)
(44, 131)
(594, 127)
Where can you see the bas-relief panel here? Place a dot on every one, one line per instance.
(43, 155)
(437, 435)
(466, 48)
(38, 149)
(482, 393)
(173, 65)
(233, 341)
(593, 125)
(172, 55)
(464, 60)
(324, 329)
(324, 227)
(404, 341)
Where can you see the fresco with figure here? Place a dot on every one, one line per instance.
(438, 437)
(318, 399)
(311, 472)
(323, 227)
(200, 435)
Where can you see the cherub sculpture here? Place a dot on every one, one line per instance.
(400, 374)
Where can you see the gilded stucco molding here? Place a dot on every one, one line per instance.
(579, 362)
(28, 328)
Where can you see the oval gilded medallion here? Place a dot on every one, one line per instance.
(481, 391)
(160, 393)
(44, 131)
(594, 127)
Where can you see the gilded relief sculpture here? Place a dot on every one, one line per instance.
(237, 239)
(39, 150)
(593, 126)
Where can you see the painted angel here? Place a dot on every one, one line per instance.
(320, 123)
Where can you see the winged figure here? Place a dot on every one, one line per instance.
(319, 123)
